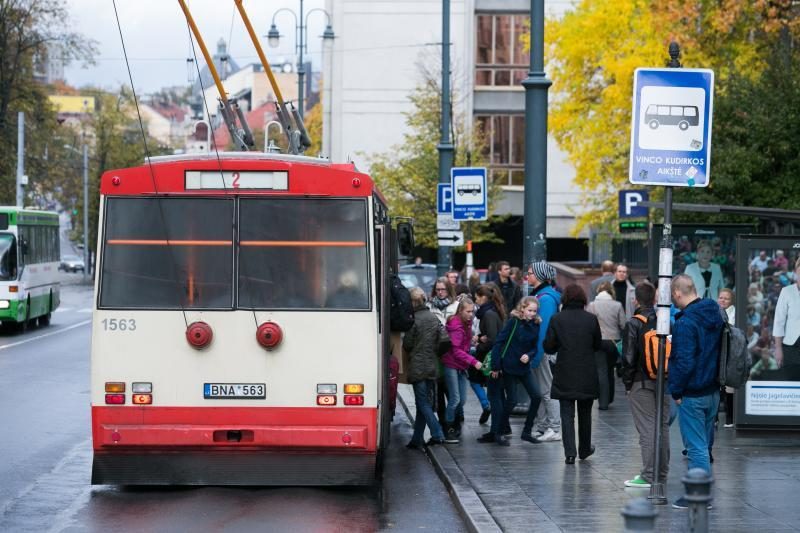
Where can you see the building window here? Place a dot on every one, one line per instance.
(500, 60)
(505, 147)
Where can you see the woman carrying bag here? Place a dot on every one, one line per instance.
(511, 358)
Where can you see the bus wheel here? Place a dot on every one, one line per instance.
(683, 125)
(653, 124)
(22, 327)
(44, 320)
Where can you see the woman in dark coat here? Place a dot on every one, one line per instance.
(575, 335)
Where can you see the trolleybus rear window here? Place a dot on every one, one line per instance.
(168, 253)
(303, 253)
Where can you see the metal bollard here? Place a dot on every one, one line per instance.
(698, 493)
(640, 515)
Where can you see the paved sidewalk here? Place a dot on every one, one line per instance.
(527, 487)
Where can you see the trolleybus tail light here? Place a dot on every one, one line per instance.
(356, 182)
(269, 335)
(199, 334)
(142, 399)
(326, 399)
(353, 400)
(326, 388)
(354, 388)
(141, 387)
(115, 386)
(115, 399)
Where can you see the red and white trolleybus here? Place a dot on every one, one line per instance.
(240, 334)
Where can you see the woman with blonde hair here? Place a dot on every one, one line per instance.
(511, 355)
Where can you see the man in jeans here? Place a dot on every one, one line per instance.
(694, 369)
(641, 390)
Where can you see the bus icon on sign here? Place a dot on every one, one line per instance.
(682, 116)
(469, 188)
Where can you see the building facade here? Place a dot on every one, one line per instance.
(376, 63)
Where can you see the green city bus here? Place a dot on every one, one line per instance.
(29, 258)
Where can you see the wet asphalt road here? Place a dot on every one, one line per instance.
(45, 460)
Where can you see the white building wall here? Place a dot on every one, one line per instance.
(373, 68)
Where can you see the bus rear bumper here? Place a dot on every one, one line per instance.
(238, 467)
(152, 445)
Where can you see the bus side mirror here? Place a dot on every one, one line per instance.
(405, 238)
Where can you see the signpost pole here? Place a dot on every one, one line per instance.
(445, 147)
(470, 264)
(663, 315)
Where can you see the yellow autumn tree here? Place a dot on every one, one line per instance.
(593, 50)
(592, 53)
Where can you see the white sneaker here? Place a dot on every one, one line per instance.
(538, 434)
(550, 436)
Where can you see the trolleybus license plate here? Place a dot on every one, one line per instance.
(234, 391)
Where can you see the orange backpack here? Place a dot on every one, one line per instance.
(649, 348)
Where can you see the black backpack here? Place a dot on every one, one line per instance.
(401, 312)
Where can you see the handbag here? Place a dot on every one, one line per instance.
(444, 342)
(487, 362)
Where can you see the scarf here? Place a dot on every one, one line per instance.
(482, 310)
(440, 303)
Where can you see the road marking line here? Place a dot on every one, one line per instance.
(62, 309)
(85, 310)
(36, 338)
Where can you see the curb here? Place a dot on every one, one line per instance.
(467, 502)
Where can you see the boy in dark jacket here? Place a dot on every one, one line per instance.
(693, 370)
(641, 389)
(422, 342)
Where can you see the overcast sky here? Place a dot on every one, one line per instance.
(157, 39)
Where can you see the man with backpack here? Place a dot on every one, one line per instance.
(694, 370)
(401, 319)
(638, 361)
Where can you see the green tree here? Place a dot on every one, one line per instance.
(408, 173)
(29, 31)
(756, 156)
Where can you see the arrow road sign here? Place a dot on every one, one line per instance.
(451, 238)
(671, 127)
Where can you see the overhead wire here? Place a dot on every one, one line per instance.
(158, 198)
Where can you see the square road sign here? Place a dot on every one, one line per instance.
(671, 127)
(469, 193)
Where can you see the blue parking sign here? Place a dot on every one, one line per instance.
(671, 127)
(444, 199)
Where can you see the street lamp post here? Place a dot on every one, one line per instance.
(85, 152)
(85, 212)
(535, 195)
(301, 43)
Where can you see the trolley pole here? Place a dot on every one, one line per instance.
(663, 316)
(445, 147)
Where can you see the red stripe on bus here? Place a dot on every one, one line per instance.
(344, 244)
(151, 427)
(155, 242)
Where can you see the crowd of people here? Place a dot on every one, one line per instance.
(565, 348)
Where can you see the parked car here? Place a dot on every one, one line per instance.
(71, 263)
(422, 276)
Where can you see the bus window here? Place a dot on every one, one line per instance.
(8, 257)
(303, 254)
(168, 253)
